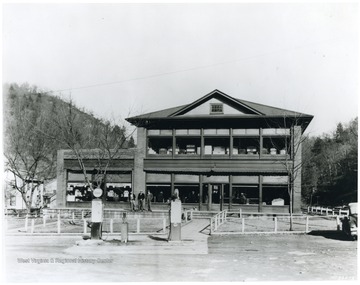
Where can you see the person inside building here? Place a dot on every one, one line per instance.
(126, 194)
(242, 198)
(141, 200)
(160, 197)
(149, 198)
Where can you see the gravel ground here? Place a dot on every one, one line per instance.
(318, 256)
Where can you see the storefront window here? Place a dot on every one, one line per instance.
(276, 195)
(161, 192)
(118, 192)
(188, 193)
(245, 194)
(78, 192)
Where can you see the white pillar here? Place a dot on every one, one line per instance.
(138, 225)
(58, 224)
(111, 225)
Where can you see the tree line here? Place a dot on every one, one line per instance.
(330, 169)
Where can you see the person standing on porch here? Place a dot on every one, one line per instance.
(141, 200)
(149, 198)
(132, 201)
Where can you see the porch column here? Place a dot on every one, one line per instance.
(296, 152)
(209, 196)
(222, 197)
(139, 174)
(172, 183)
(230, 191)
(200, 190)
(260, 192)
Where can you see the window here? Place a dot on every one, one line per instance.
(216, 108)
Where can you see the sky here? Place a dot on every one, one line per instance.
(121, 60)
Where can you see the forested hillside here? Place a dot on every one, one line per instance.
(37, 124)
(330, 170)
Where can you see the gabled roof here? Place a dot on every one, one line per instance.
(248, 109)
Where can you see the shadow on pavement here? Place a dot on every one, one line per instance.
(158, 238)
(338, 235)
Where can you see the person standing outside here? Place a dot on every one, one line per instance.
(149, 198)
(141, 199)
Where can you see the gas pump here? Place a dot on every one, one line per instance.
(96, 214)
(175, 220)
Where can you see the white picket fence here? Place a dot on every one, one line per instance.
(252, 223)
(157, 224)
(327, 211)
(217, 220)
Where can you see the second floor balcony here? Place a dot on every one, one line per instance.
(219, 143)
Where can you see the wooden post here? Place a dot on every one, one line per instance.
(215, 226)
(138, 225)
(32, 226)
(185, 213)
(26, 222)
(44, 221)
(275, 226)
(191, 214)
(307, 224)
(82, 215)
(211, 226)
(73, 215)
(242, 225)
(58, 224)
(337, 223)
(164, 225)
(111, 225)
(240, 213)
(85, 226)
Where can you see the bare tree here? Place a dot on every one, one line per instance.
(88, 138)
(292, 160)
(29, 156)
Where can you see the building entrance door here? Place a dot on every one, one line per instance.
(216, 194)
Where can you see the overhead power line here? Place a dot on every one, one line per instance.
(192, 68)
